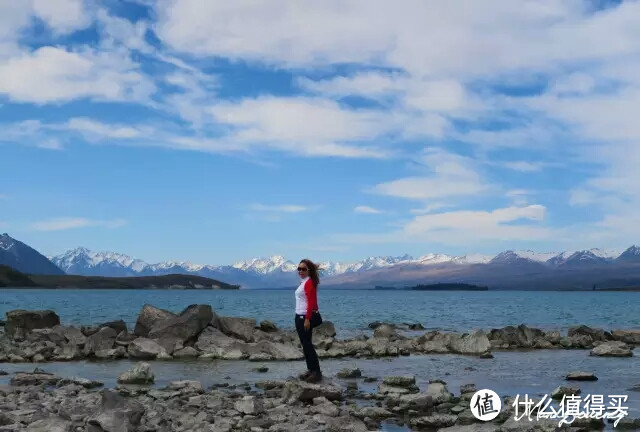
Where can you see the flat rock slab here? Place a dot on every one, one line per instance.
(581, 376)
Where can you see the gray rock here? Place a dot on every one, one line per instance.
(50, 424)
(111, 354)
(611, 349)
(72, 335)
(591, 333)
(239, 328)
(249, 405)
(139, 374)
(468, 388)
(581, 376)
(86, 383)
(119, 326)
(561, 391)
(184, 353)
(186, 387)
(324, 330)
(474, 343)
(374, 412)
(520, 336)
(20, 322)
(350, 373)
(400, 381)
(346, 424)
(144, 349)
(439, 392)
(385, 331)
(185, 326)
(268, 326)
(148, 317)
(433, 421)
(116, 413)
(33, 378)
(103, 339)
(384, 389)
(631, 337)
(301, 391)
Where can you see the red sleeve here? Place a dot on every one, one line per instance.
(312, 302)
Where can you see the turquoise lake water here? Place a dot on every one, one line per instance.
(534, 373)
(351, 310)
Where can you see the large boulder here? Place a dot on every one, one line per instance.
(185, 326)
(144, 349)
(385, 331)
(594, 334)
(103, 340)
(149, 316)
(240, 328)
(20, 322)
(119, 325)
(324, 330)
(515, 337)
(116, 414)
(211, 339)
(474, 343)
(611, 349)
(627, 336)
(139, 374)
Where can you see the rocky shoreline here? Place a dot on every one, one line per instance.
(39, 401)
(199, 333)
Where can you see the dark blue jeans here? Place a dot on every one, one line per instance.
(307, 346)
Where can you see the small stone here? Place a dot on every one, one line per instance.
(349, 373)
(467, 388)
(261, 369)
(564, 391)
(581, 376)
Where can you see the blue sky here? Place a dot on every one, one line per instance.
(214, 131)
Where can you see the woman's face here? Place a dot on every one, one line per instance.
(303, 270)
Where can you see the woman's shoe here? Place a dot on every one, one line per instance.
(304, 376)
(314, 377)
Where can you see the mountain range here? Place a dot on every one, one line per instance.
(508, 270)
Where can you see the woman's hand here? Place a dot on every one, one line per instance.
(307, 324)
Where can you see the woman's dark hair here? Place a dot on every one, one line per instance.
(313, 271)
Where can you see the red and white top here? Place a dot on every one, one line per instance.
(306, 298)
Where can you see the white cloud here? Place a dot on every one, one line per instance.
(92, 128)
(430, 38)
(51, 74)
(524, 166)
(62, 16)
(367, 210)
(61, 224)
(451, 175)
(50, 144)
(283, 208)
(465, 228)
(312, 127)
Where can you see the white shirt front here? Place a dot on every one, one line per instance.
(301, 298)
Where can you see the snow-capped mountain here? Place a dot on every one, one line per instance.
(266, 265)
(23, 258)
(630, 255)
(85, 262)
(277, 271)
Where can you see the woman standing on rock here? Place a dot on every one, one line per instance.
(308, 317)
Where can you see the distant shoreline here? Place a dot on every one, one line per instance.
(11, 278)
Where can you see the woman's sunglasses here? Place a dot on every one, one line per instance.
(302, 269)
